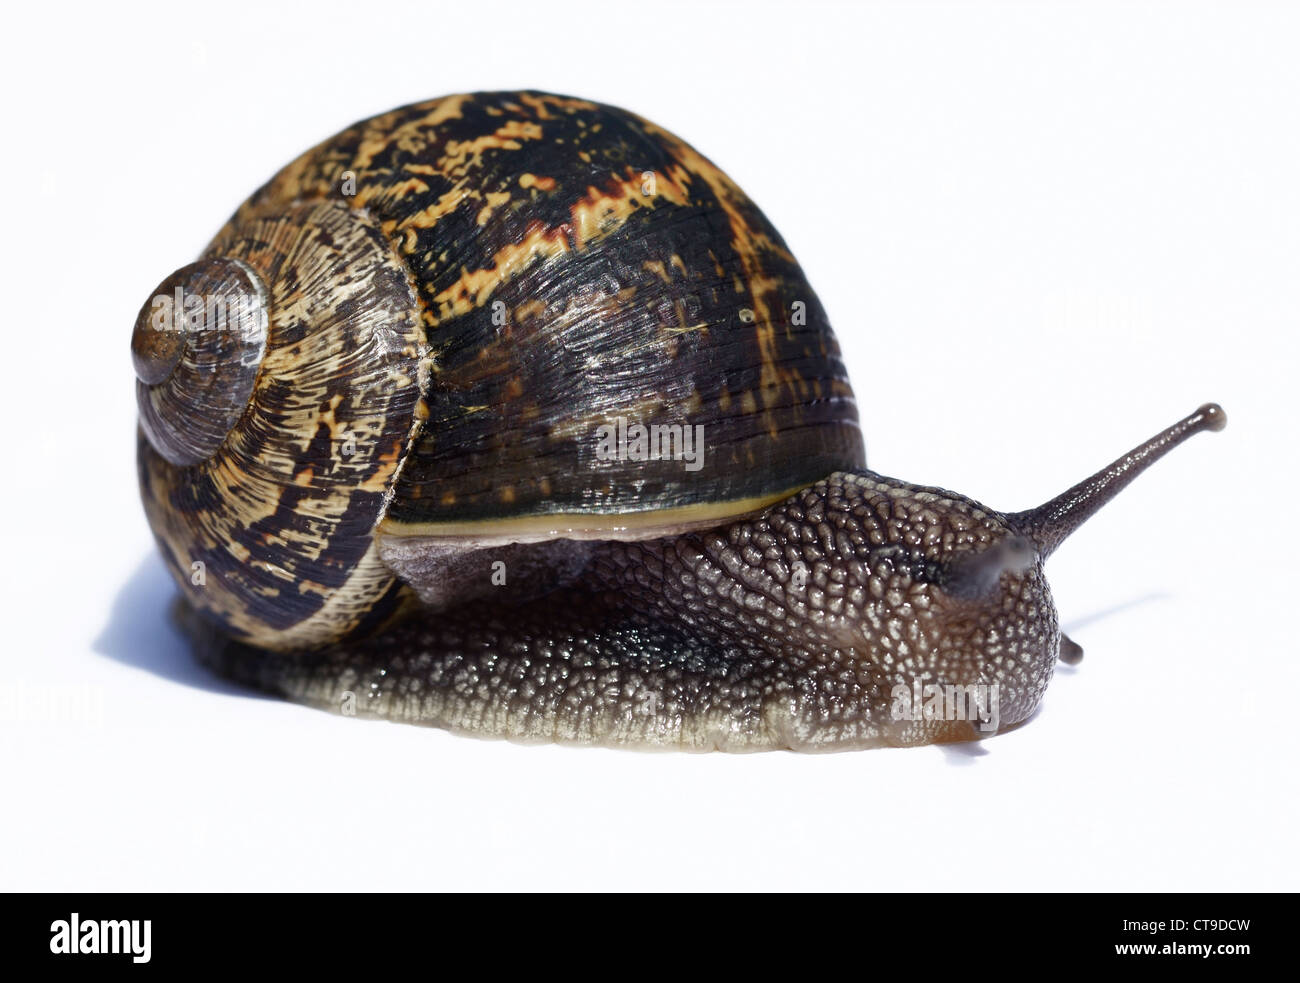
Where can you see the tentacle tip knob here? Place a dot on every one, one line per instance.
(1070, 652)
(1213, 415)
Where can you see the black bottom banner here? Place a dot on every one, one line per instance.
(915, 933)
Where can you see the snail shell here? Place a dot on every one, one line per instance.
(439, 309)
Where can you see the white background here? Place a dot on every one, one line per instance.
(1042, 231)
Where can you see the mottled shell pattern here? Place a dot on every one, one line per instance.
(458, 296)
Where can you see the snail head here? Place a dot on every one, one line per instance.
(950, 592)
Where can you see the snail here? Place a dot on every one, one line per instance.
(510, 413)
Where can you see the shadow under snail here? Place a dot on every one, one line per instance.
(510, 413)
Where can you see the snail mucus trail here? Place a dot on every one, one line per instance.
(436, 313)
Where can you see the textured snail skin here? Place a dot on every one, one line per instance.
(706, 641)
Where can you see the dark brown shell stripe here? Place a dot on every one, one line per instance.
(277, 526)
(558, 296)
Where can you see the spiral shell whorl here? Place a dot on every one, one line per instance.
(269, 534)
(197, 346)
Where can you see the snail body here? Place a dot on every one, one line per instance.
(520, 419)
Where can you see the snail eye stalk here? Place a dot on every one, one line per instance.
(1048, 525)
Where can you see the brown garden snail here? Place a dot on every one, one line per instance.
(510, 413)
